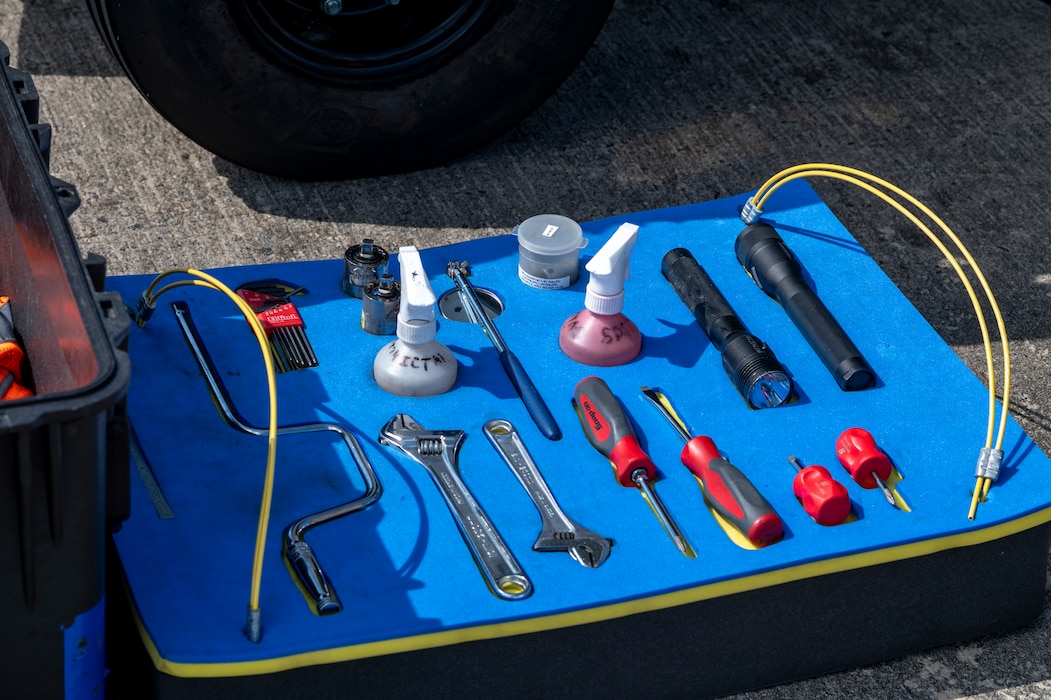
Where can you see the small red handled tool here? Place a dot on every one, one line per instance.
(867, 464)
(12, 356)
(609, 431)
(823, 498)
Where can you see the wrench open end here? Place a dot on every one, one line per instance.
(588, 548)
(593, 554)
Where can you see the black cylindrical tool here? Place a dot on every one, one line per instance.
(750, 362)
(773, 267)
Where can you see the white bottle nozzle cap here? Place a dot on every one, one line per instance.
(416, 323)
(609, 268)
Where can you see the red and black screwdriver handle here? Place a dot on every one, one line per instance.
(729, 493)
(608, 429)
(726, 489)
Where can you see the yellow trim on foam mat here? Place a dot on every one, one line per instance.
(596, 614)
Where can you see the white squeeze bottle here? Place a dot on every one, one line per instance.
(415, 364)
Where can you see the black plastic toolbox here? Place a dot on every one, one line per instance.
(63, 451)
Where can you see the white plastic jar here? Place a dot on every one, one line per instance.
(549, 251)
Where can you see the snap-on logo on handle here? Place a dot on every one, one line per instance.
(599, 426)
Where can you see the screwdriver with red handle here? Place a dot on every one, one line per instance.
(608, 429)
(823, 498)
(867, 464)
(727, 491)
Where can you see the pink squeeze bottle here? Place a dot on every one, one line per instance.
(600, 334)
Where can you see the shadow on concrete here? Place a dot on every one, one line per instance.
(693, 101)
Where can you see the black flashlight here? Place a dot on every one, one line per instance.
(751, 364)
(773, 267)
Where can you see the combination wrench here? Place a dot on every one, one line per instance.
(559, 533)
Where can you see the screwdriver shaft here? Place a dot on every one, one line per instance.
(608, 429)
(886, 489)
(513, 367)
(640, 479)
(861, 457)
(664, 406)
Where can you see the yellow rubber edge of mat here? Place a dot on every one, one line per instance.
(591, 615)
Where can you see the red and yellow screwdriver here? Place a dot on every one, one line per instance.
(608, 429)
(727, 491)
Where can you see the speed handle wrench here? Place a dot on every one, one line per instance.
(296, 550)
(558, 533)
(436, 451)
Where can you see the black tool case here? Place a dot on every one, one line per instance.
(63, 451)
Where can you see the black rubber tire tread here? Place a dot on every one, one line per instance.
(196, 67)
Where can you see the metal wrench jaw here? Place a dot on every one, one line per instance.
(403, 433)
(558, 532)
(585, 547)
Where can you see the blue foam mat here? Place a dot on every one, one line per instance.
(401, 568)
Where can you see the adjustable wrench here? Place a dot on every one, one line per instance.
(436, 451)
(558, 533)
